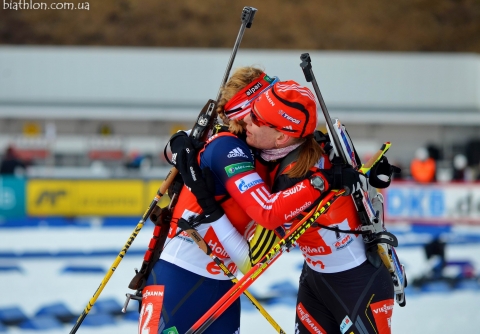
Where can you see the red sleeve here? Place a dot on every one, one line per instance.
(267, 209)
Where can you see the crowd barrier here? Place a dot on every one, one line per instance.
(437, 203)
(21, 198)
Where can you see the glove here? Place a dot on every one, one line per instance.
(348, 179)
(381, 173)
(184, 158)
(184, 151)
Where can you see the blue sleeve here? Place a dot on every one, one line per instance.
(226, 157)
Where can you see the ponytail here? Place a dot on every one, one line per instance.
(310, 153)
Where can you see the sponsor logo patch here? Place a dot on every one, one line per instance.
(313, 250)
(344, 242)
(346, 324)
(236, 152)
(241, 167)
(152, 302)
(252, 90)
(171, 330)
(248, 182)
(269, 99)
(308, 321)
(288, 117)
(294, 190)
(382, 313)
(292, 214)
(383, 309)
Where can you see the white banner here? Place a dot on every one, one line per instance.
(433, 203)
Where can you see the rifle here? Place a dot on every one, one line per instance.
(378, 238)
(205, 122)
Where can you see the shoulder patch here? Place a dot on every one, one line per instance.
(238, 168)
(248, 182)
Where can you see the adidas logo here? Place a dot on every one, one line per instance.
(174, 158)
(236, 152)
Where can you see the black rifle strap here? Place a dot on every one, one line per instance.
(155, 247)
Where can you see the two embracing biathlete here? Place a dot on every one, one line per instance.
(243, 189)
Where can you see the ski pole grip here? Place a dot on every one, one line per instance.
(168, 181)
(248, 14)
(306, 66)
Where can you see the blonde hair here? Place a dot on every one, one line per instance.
(310, 153)
(242, 77)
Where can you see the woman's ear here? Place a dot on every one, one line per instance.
(282, 140)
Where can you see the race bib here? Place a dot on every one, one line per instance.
(152, 302)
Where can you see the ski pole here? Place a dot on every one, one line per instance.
(200, 129)
(268, 259)
(119, 258)
(202, 244)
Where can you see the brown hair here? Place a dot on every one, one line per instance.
(239, 80)
(310, 153)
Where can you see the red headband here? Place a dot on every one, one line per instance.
(239, 105)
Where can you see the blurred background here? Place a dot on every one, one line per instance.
(90, 92)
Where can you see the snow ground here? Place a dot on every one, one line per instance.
(39, 281)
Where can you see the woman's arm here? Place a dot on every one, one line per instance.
(230, 160)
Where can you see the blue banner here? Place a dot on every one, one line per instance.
(12, 197)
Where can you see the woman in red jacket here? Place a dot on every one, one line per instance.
(340, 290)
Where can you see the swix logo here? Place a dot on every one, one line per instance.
(383, 309)
(288, 117)
(315, 263)
(149, 293)
(236, 152)
(312, 251)
(294, 190)
(269, 99)
(292, 214)
(174, 158)
(252, 90)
